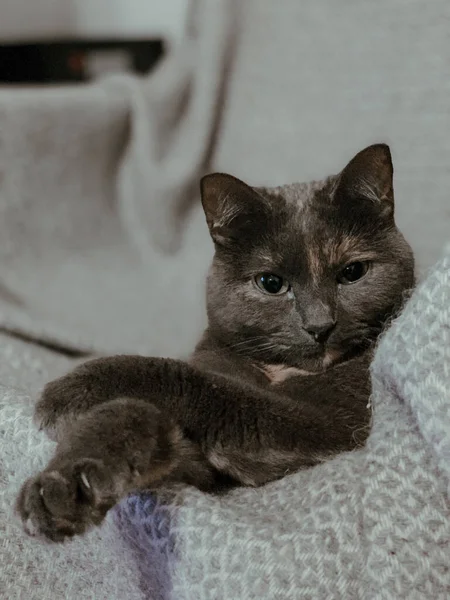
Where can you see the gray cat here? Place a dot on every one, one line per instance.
(304, 278)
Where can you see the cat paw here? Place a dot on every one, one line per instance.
(67, 501)
(63, 400)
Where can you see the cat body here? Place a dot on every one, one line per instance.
(303, 280)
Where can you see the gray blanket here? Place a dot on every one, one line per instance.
(374, 523)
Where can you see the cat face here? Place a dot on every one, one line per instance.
(307, 274)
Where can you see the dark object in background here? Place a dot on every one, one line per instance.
(72, 61)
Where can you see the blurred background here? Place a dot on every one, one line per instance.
(58, 41)
(112, 110)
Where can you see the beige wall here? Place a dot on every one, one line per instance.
(317, 81)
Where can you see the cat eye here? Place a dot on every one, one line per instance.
(353, 272)
(271, 283)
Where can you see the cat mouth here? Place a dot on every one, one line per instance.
(322, 361)
(314, 357)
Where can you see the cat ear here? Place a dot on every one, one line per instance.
(232, 208)
(369, 175)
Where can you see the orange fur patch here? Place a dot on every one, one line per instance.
(279, 373)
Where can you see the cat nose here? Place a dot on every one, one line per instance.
(320, 331)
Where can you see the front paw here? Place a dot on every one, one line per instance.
(66, 501)
(66, 398)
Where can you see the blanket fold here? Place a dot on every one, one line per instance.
(373, 523)
(99, 204)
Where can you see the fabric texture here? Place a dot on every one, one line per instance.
(97, 568)
(374, 523)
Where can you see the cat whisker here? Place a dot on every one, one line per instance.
(263, 349)
(267, 348)
(260, 347)
(256, 347)
(247, 342)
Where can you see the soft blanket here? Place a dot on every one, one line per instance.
(98, 568)
(374, 523)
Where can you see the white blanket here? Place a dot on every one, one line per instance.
(374, 523)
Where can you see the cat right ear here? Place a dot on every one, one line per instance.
(232, 208)
(369, 175)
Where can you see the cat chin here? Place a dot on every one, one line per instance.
(278, 373)
(319, 364)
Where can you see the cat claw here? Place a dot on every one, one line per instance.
(30, 527)
(60, 504)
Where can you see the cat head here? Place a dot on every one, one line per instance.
(306, 274)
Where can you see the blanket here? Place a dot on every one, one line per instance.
(97, 568)
(374, 523)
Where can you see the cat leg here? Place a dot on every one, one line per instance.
(231, 419)
(91, 384)
(116, 448)
(259, 466)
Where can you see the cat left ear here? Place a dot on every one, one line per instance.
(369, 175)
(232, 208)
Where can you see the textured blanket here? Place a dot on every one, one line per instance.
(374, 523)
(99, 568)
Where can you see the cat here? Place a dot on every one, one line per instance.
(303, 281)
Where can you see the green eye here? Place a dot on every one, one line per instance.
(353, 272)
(271, 283)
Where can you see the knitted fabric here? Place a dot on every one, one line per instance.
(368, 524)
